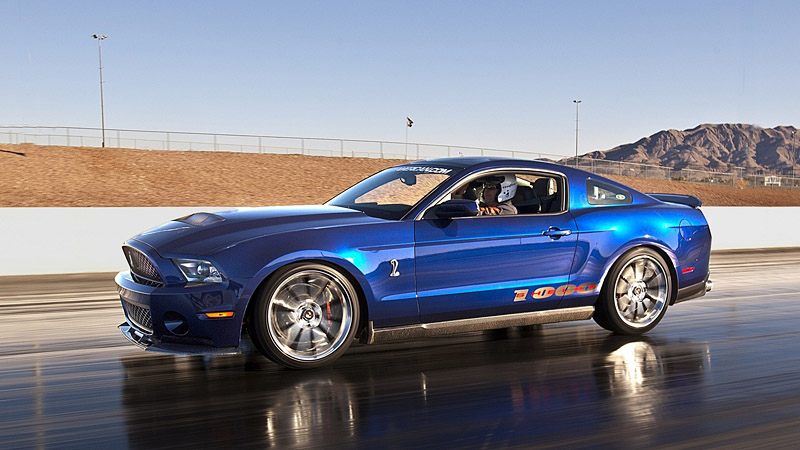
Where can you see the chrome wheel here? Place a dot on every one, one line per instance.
(310, 314)
(641, 291)
(636, 294)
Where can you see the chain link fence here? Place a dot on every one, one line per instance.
(187, 141)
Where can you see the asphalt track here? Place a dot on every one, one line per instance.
(723, 371)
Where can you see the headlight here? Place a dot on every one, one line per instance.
(199, 271)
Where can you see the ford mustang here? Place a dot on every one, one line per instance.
(424, 248)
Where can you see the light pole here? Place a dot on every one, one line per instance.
(577, 102)
(100, 38)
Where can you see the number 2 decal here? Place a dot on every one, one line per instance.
(394, 264)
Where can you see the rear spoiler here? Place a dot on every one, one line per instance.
(688, 200)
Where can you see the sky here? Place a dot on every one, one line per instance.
(499, 74)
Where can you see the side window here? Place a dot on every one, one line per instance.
(539, 193)
(533, 192)
(599, 193)
(467, 191)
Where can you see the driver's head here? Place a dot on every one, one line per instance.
(502, 187)
(491, 189)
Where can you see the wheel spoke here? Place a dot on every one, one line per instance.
(326, 329)
(284, 305)
(629, 274)
(291, 322)
(624, 302)
(653, 268)
(304, 285)
(317, 341)
(639, 267)
(657, 284)
(643, 310)
(294, 296)
(620, 288)
(644, 268)
(324, 338)
(630, 313)
(318, 335)
(293, 336)
(333, 321)
(320, 292)
(313, 288)
(304, 338)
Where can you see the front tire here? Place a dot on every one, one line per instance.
(636, 293)
(306, 316)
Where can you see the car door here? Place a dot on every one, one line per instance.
(489, 265)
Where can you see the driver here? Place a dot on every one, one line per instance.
(497, 195)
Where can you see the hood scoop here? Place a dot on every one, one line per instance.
(201, 219)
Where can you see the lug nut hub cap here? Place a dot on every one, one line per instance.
(309, 315)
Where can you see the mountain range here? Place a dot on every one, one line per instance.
(715, 147)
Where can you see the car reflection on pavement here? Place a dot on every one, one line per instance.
(508, 391)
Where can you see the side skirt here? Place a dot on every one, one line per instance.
(375, 335)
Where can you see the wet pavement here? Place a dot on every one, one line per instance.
(718, 371)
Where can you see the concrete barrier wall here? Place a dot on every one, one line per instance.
(753, 227)
(74, 240)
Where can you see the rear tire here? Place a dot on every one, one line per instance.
(636, 293)
(306, 316)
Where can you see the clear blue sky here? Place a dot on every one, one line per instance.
(493, 74)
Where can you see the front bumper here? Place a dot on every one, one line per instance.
(174, 319)
(148, 343)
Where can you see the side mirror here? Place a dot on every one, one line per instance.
(455, 208)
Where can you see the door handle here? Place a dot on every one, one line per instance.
(556, 233)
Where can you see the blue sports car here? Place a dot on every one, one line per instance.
(429, 247)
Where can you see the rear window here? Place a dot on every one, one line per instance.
(599, 193)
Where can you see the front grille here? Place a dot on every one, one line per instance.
(143, 270)
(139, 316)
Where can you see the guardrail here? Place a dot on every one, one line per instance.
(189, 141)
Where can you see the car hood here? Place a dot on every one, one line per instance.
(208, 233)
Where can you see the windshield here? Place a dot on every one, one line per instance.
(392, 193)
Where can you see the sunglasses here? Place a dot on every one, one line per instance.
(491, 186)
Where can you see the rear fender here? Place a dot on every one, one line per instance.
(660, 248)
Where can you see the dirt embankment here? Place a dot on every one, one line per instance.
(35, 176)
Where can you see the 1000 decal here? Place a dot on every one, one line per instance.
(521, 295)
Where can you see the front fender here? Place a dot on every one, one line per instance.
(393, 306)
(306, 256)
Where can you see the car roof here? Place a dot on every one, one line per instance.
(470, 161)
(576, 177)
